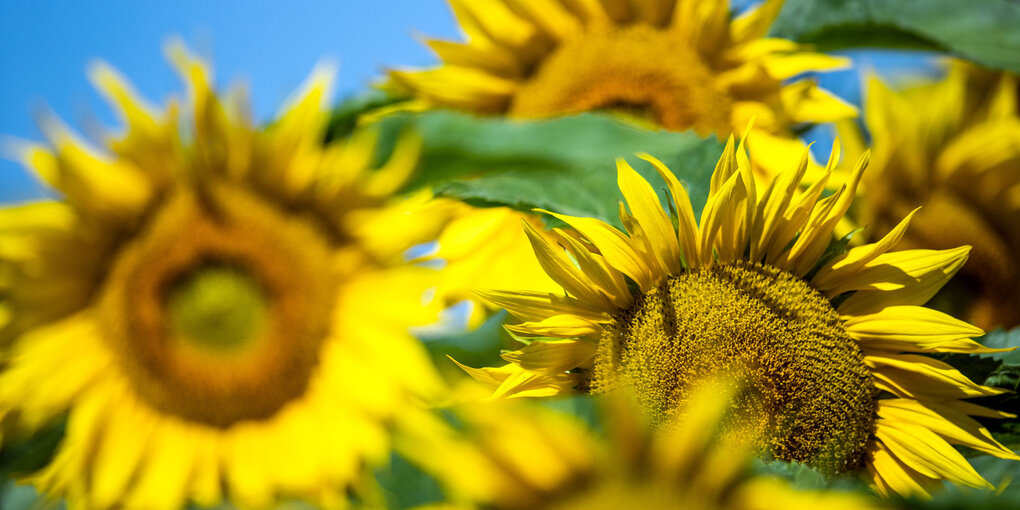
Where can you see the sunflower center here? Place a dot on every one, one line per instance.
(638, 70)
(218, 309)
(809, 395)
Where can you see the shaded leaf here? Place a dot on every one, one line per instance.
(476, 348)
(1002, 339)
(1007, 374)
(26, 456)
(984, 31)
(404, 485)
(804, 477)
(24, 497)
(345, 115)
(566, 165)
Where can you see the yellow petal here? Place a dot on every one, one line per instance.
(552, 356)
(524, 383)
(913, 328)
(915, 376)
(974, 410)
(593, 13)
(652, 12)
(773, 207)
(918, 293)
(758, 48)
(121, 450)
(563, 271)
(140, 116)
(724, 168)
(687, 230)
(492, 20)
(788, 66)
(805, 101)
(71, 347)
(94, 183)
(552, 17)
(755, 23)
(610, 281)
(952, 425)
(915, 292)
(723, 211)
(561, 326)
(704, 25)
(899, 269)
(36, 217)
(834, 273)
(796, 215)
(491, 59)
(486, 248)
(817, 234)
(645, 206)
(614, 246)
(890, 474)
(923, 451)
(489, 376)
(537, 306)
(462, 87)
(163, 479)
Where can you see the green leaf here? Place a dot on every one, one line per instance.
(566, 165)
(345, 115)
(404, 485)
(1007, 374)
(1002, 339)
(24, 497)
(33, 453)
(476, 348)
(984, 31)
(586, 408)
(804, 477)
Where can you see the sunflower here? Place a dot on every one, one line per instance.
(567, 465)
(678, 64)
(954, 147)
(833, 347)
(481, 247)
(219, 309)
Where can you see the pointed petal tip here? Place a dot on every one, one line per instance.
(18, 149)
(101, 72)
(748, 128)
(177, 52)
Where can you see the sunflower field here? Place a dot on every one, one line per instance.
(598, 254)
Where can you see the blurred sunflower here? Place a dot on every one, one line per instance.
(481, 248)
(678, 64)
(565, 465)
(218, 308)
(953, 147)
(829, 344)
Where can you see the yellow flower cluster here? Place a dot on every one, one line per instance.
(216, 312)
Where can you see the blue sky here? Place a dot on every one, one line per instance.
(46, 46)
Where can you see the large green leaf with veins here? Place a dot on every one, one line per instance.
(566, 165)
(985, 31)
